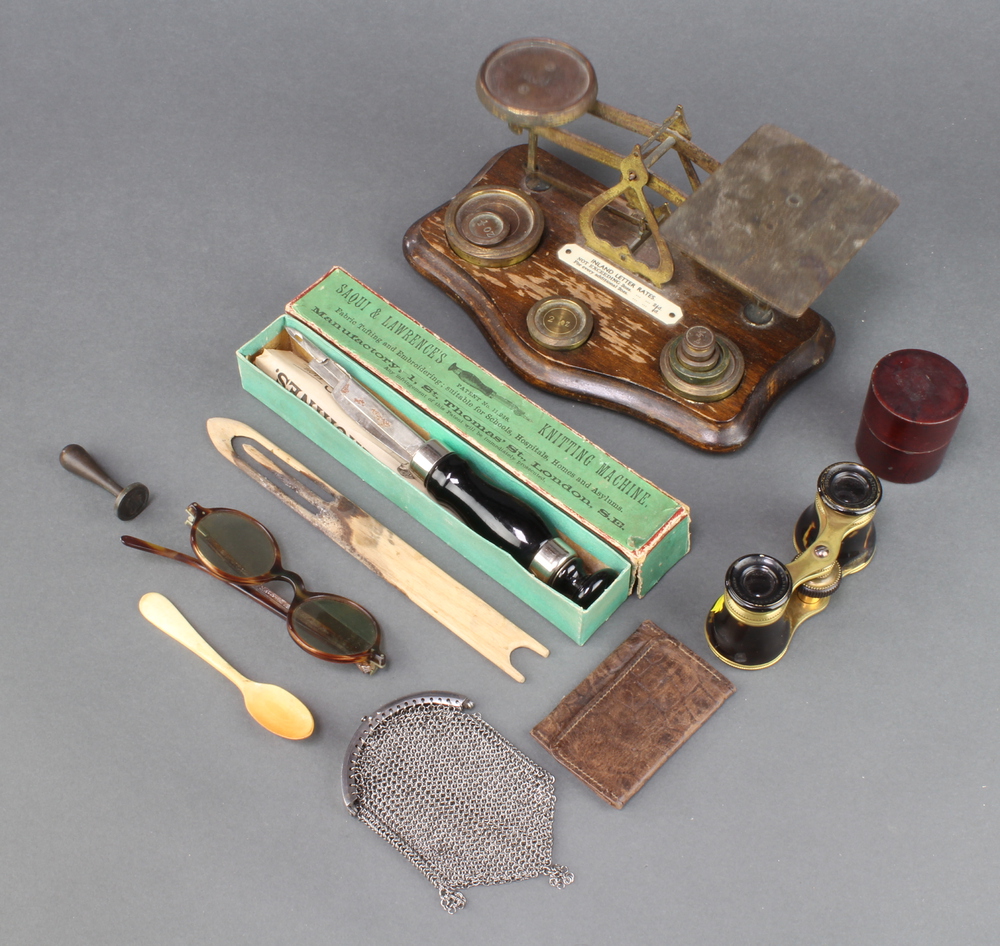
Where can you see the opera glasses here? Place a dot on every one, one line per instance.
(765, 601)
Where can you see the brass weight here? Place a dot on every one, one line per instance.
(493, 226)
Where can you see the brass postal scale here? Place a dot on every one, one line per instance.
(686, 306)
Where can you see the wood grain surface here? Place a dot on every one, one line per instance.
(618, 367)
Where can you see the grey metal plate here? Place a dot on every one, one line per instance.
(779, 219)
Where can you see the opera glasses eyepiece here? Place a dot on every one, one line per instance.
(852, 491)
(759, 583)
(849, 488)
(752, 623)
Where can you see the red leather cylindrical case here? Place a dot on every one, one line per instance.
(915, 400)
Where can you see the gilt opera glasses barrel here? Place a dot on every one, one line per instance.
(765, 601)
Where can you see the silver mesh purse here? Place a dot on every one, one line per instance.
(447, 791)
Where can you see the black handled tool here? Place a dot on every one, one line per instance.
(129, 500)
(490, 512)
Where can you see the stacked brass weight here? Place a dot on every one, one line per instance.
(752, 623)
(701, 365)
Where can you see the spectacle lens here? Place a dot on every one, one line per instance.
(334, 626)
(234, 544)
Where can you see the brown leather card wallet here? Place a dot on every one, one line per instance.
(632, 713)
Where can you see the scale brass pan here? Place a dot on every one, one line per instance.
(686, 305)
(537, 82)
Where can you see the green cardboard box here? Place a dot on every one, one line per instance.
(613, 516)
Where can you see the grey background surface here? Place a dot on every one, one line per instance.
(171, 174)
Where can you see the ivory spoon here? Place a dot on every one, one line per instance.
(275, 709)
